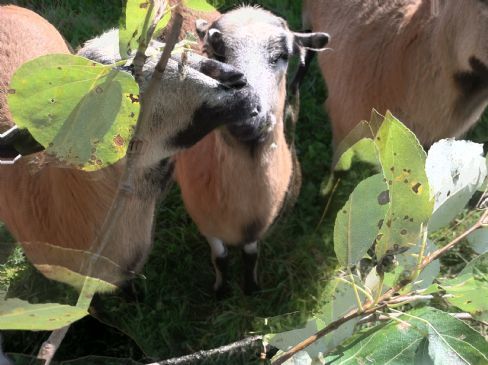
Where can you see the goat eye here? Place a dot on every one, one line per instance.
(280, 57)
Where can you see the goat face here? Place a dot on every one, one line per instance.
(259, 45)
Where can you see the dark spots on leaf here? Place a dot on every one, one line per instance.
(388, 223)
(50, 144)
(143, 5)
(380, 223)
(392, 169)
(379, 237)
(93, 150)
(344, 211)
(11, 91)
(448, 193)
(94, 64)
(403, 232)
(118, 140)
(52, 100)
(406, 217)
(390, 182)
(384, 197)
(134, 98)
(99, 162)
(394, 153)
(417, 188)
(60, 68)
(411, 219)
(405, 181)
(132, 115)
(99, 90)
(378, 138)
(469, 302)
(52, 319)
(93, 157)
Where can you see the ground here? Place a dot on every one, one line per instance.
(175, 312)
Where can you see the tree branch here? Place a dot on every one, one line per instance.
(386, 299)
(200, 355)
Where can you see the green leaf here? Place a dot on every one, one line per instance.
(16, 314)
(479, 240)
(199, 5)
(456, 169)
(358, 222)
(363, 150)
(469, 293)
(403, 163)
(469, 290)
(450, 341)
(82, 112)
(75, 267)
(135, 22)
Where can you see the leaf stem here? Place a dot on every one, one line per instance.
(355, 288)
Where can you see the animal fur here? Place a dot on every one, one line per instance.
(425, 60)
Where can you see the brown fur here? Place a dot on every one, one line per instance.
(401, 55)
(226, 190)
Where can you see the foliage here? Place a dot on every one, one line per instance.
(419, 197)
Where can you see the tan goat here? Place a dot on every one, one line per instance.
(425, 60)
(234, 182)
(67, 207)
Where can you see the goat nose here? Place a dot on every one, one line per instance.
(256, 111)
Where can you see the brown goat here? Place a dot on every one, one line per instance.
(65, 207)
(425, 60)
(234, 182)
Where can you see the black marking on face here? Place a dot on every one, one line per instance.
(278, 50)
(471, 82)
(240, 106)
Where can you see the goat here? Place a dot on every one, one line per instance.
(66, 207)
(425, 60)
(234, 182)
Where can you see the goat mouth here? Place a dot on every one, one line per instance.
(254, 129)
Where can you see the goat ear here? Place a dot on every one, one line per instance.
(312, 41)
(201, 26)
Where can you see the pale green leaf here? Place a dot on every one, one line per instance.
(456, 169)
(82, 112)
(403, 163)
(16, 314)
(358, 222)
(479, 240)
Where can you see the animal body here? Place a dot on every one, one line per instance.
(66, 207)
(425, 60)
(234, 182)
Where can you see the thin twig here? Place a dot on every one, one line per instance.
(49, 347)
(231, 348)
(384, 300)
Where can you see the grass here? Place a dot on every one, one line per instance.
(175, 312)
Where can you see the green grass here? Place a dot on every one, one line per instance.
(176, 312)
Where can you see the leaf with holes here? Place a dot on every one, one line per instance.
(82, 112)
(402, 160)
(358, 222)
(16, 314)
(450, 341)
(456, 169)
